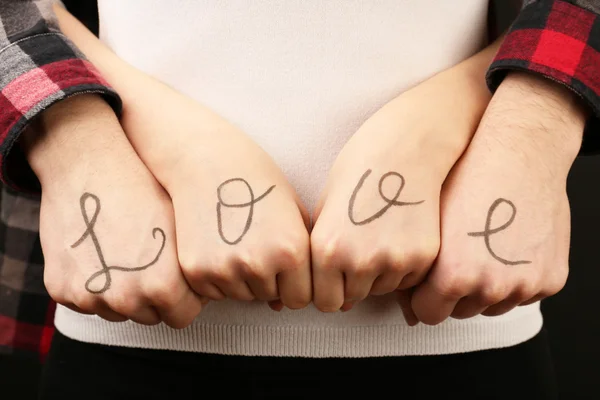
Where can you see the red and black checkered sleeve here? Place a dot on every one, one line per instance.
(560, 40)
(38, 67)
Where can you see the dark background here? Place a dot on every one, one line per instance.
(571, 317)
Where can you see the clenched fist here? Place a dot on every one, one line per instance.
(505, 213)
(106, 225)
(241, 230)
(377, 225)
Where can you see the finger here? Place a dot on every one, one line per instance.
(347, 306)
(501, 308)
(520, 293)
(493, 288)
(328, 284)
(534, 299)
(358, 284)
(432, 305)
(295, 286)
(468, 307)
(404, 298)
(101, 310)
(183, 313)
(146, 316)
(73, 307)
(386, 283)
(263, 288)
(524, 287)
(208, 290)
(104, 312)
(411, 280)
(237, 290)
(127, 302)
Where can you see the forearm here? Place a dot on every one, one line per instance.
(537, 119)
(161, 123)
(438, 116)
(39, 68)
(72, 138)
(461, 90)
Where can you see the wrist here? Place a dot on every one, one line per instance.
(442, 114)
(73, 137)
(533, 113)
(532, 124)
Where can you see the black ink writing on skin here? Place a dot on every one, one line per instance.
(489, 231)
(105, 272)
(249, 205)
(390, 201)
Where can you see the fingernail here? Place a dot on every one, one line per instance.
(276, 305)
(347, 306)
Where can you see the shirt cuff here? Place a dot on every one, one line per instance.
(35, 73)
(560, 41)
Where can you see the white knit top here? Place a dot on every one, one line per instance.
(299, 77)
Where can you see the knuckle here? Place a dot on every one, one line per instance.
(192, 268)
(493, 292)
(556, 282)
(254, 270)
(423, 254)
(163, 293)
(218, 270)
(123, 302)
(365, 267)
(291, 254)
(396, 261)
(325, 248)
(55, 289)
(526, 290)
(188, 260)
(454, 282)
(85, 301)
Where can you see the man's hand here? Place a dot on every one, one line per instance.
(106, 225)
(377, 227)
(505, 213)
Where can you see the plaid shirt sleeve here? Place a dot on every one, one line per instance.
(559, 39)
(26, 310)
(38, 67)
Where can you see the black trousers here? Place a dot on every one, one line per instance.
(77, 370)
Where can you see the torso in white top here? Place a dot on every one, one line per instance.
(299, 77)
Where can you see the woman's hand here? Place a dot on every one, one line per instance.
(377, 227)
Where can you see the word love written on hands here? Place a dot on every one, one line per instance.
(249, 204)
(390, 201)
(488, 231)
(105, 272)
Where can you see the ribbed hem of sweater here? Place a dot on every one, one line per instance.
(310, 341)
